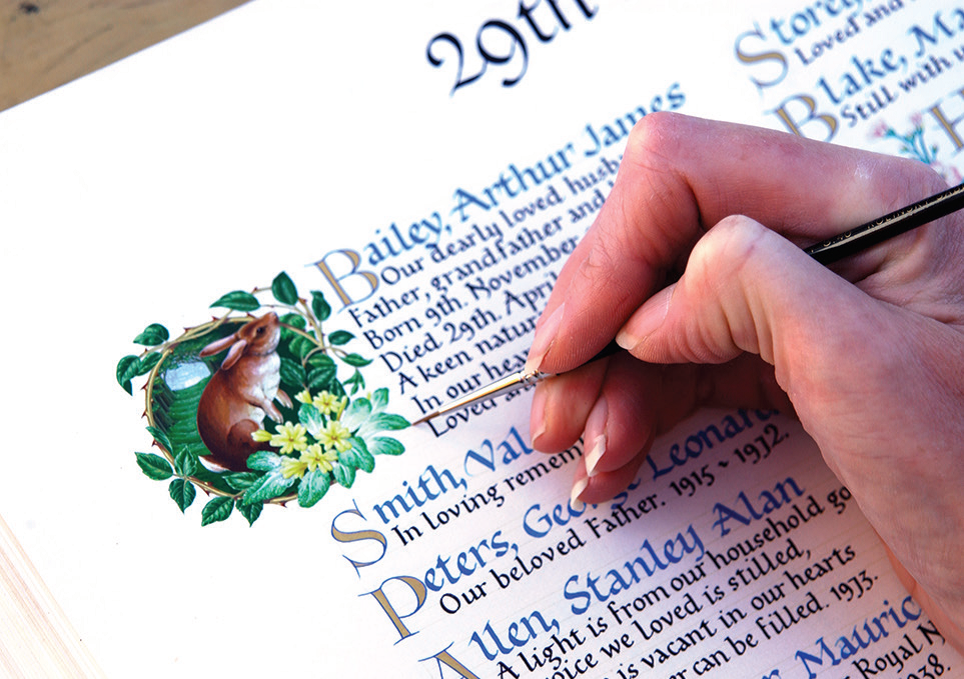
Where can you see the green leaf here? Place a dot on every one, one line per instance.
(154, 466)
(264, 461)
(366, 461)
(185, 463)
(310, 416)
(348, 459)
(321, 360)
(313, 487)
(356, 381)
(335, 389)
(284, 289)
(160, 437)
(238, 301)
(340, 337)
(320, 306)
(344, 475)
(291, 372)
(320, 378)
(356, 360)
(382, 445)
(153, 335)
(380, 399)
(387, 421)
(294, 320)
(357, 411)
(147, 362)
(301, 346)
(251, 512)
(321, 370)
(126, 371)
(240, 481)
(182, 492)
(218, 509)
(271, 485)
(363, 458)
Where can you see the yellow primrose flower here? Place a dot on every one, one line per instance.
(290, 437)
(303, 396)
(293, 466)
(329, 404)
(261, 435)
(317, 458)
(335, 435)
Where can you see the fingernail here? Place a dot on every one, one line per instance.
(578, 488)
(596, 433)
(545, 334)
(537, 416)
(647, 319)
(592, 457)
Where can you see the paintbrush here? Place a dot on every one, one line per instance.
(845, 244)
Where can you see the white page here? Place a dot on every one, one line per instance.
(285, 133)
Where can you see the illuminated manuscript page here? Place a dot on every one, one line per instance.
(400, 183)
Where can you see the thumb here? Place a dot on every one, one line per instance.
(748, 289)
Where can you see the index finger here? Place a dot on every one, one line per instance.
(678, 177)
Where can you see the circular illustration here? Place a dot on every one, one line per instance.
(259, 406)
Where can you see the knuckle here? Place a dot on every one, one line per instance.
(654, 136)
(727, 248)
(919, 180)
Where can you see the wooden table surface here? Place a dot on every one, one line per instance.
(46, 43)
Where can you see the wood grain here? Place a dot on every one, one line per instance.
(46, 43)
(36, 639)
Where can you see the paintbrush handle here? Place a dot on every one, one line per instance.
(897, 222)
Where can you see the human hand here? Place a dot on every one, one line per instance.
(869, 355)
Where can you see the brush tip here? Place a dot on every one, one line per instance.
(425, 419)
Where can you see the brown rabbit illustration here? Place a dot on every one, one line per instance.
(241, 392)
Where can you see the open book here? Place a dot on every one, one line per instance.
(378, 197)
